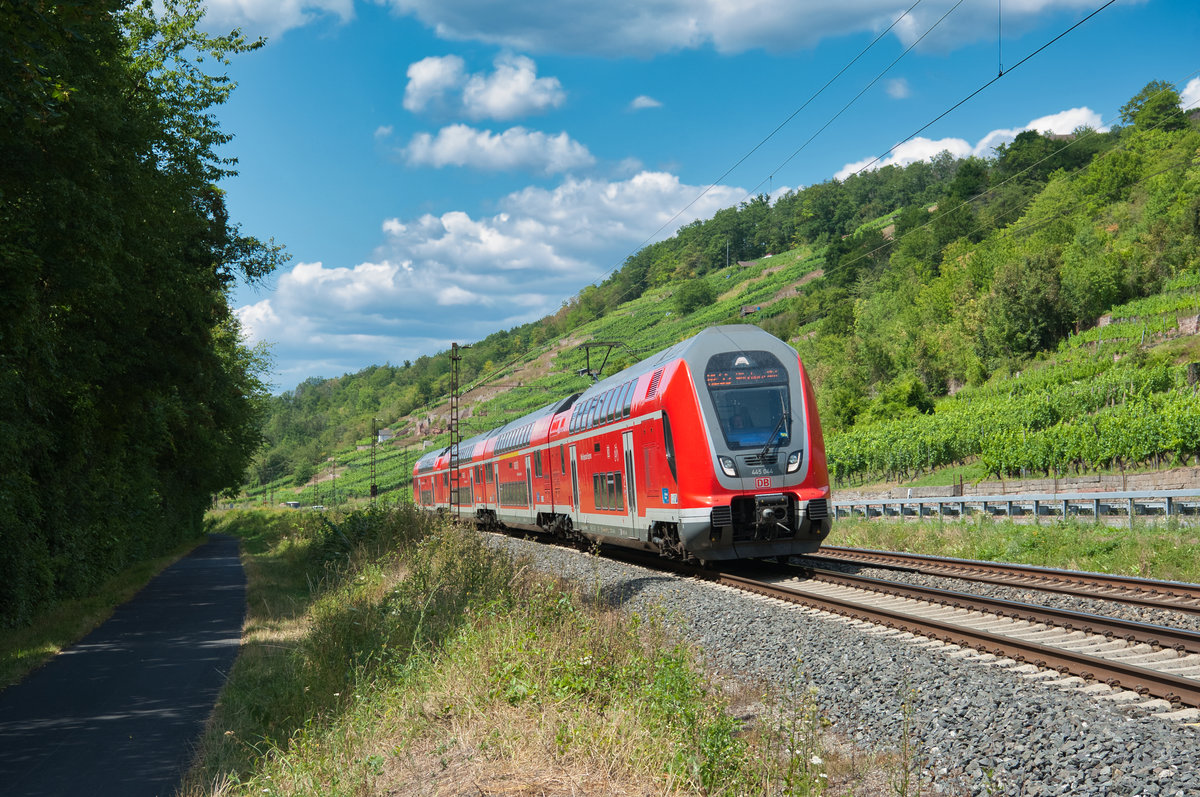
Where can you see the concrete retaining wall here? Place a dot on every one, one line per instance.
(1176, 479)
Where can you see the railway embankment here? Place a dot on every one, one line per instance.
(954, 720)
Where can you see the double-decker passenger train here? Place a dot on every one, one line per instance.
(708, 450)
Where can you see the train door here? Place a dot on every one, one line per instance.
(630, 484)
(575, 485)
(529, 487)
(495, 496)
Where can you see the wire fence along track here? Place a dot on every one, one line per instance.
(1182, 504)
(1171, 595)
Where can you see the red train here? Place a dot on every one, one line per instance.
(708, 450)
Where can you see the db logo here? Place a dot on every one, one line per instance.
(762, 481)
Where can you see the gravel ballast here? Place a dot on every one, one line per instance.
(977, 728)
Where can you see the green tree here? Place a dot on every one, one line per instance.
(130, 398)
(1155, 106)
(693, 295)
(1023, 312)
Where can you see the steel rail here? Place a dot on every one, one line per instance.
(1144, 681)
(1159, 636)
(1174, 595)
(1123, 676)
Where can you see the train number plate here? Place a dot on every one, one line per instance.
(762, 481)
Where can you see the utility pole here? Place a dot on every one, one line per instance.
(455, 435)
(374, 486)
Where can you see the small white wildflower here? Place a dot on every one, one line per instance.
(823, 775)
(816, 761)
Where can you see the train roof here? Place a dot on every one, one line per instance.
(466, 447)
(706, 342)
(696, 349)
(539, 413)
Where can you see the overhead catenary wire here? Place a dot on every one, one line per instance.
(612, 270)
(771, 135)
(979, 90)
(924, 127)
(858, 96)
(997, 186)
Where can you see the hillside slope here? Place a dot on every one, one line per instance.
(949, 313)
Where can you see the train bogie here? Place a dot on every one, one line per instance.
(709, 450)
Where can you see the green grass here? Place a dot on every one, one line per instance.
(23, 650)
(387, 653)
(1162, 551)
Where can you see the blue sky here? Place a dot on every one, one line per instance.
(442, 169)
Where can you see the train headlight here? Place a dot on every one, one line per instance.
(793, 462)
(728, 466)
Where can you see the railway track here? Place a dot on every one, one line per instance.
(1143, 659)
(1172, 595)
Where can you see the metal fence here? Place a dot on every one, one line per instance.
(1183, 504)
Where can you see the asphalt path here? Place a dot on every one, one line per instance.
(120, 712)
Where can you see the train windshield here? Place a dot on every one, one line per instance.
(750, 393)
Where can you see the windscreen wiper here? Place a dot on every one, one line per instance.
(785, 416)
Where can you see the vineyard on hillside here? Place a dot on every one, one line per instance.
(1076, 414)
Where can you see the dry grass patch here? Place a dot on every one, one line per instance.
(402, 657)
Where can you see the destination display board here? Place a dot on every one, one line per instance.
(744, 369)
(737, 377)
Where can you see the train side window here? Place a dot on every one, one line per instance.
(627, 399)
(597, 493)
(669, 442)
(614, 405)
(562, 460)
(618, 496)
(537, 463)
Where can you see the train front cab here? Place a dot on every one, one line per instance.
(753, 478)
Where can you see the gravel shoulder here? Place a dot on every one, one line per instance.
(977, 728)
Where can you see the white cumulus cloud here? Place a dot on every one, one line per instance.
(642, 101)
(453, 276)
(1189, 98)
(273, 17)
(640, 28)
(923, 148)
(513, 149)
(430, 78)
(511, 90)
